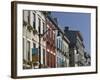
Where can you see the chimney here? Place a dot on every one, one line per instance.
(66, 28)
(49, 13)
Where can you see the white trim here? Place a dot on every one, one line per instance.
(32, 72)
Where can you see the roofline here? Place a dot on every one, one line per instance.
(56, 25)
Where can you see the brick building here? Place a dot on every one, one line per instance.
(50, 45)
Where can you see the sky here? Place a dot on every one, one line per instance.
(76, 21)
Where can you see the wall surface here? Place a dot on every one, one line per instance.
(5, 41)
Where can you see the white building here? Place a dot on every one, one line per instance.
(62, 51)
(32, 22)
(66, 50)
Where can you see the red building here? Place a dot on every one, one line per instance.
(50, 45)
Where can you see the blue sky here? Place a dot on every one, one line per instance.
(76, 21)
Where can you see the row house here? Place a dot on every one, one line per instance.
(61, 44)
(50, 44)
(62, 50)
(65, 50)
(76, 46)
(45, 45)
(87, 59)
(33, 25)
(39, 41)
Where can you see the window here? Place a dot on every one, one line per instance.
(34, 45)
(53, 35)
(50, 33)
(39, 25)
(44, 56)
(39, 22)
(58, 62)
(47, 29)
(59, 43)
(23, 48)
(62, 63)
(58, 34)
(34, 21)
(34, 50)
(28, 17)
(28, 50)
(48, 58)
(43, 27)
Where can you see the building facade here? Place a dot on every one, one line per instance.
(61, 45)
(87, 61)
(45, 45)
(62, 50)
(76, 47)
(50, 44)
(33, 21)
